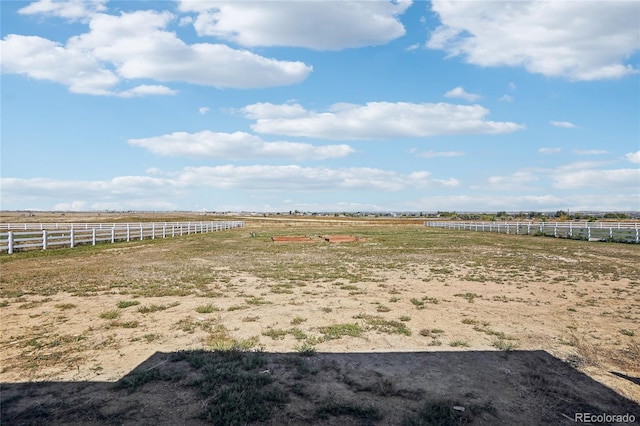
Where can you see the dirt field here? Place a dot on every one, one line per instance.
(407, 325)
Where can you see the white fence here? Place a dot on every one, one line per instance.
(29, 236)
(626, 232)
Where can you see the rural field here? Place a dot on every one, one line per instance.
(407, 325)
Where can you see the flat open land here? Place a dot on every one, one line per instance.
(407, 325)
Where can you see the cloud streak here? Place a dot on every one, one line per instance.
(375, 120)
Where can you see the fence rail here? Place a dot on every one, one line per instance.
(592, 231)
(29, 236)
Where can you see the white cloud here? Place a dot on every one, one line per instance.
(297, 178)
(145, 192)
(376, 120)
(542, 202)
(579, 40)
(459, 92)
(506, 98)
(43, 59)
(590, 151)
(439, 154)
(136, 45)
(238, 145)
(316, 25)
(549, 151)
(68, 9)
(517, 181)
(594, 179)
(633, 157)
(147, 89)
(413, 47)
(564, 124)
(203, 110)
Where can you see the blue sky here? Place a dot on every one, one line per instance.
(320, 105)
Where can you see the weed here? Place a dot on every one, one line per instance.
(440, 413)
(469, 296)
(405, 318)
(151, 308)
(383, 325)
(459, 344)
(333, 408)
(127, 303)
(275, 333)
(504, 345)
(151, 337)
(206, 309)
(382, 308)
(627, 332)
(336, 331)
(237, 308)
(327, 310)
(257, 301)
(112, 314)
(418, 303)
(4, 304)
(393, 300)
(298, 320)
(65, 306)
(469, 321)
(250, 319)
(306, 349)
(219, 339)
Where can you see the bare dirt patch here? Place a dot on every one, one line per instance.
(405, 322)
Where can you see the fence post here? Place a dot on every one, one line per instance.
(10, 242)
(570, 230)
(44, 239)
(588, 233)
(128, 233)
(113, 234)
(153, 231)
(93, 236)
(164, 231)
(141, 234)
(71, 238)
(637, 235)
(611, 233)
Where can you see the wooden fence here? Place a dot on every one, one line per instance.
(29, 236)
(625, 232)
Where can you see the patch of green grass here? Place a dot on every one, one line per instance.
(326, 310)
(127, 303)
(237, 308)
(124, 324)
(439, 413)
(459, 344)
(628, 332)
(306, 349)
(4, 304)
(250, 319)
(298, 320)
(152, 308)
(336, 331)
(151, 337)
(111, 314)
(470, 321)
(382, 308)
(405, 318)
(236, 389)
(206, 309)
(220, 340)
(383, 325)
(257, 301)
(333, 408)
(418, 303)
(65, 306)
(504, 345)
(469, 296)
(135, 380)
(275, 333)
